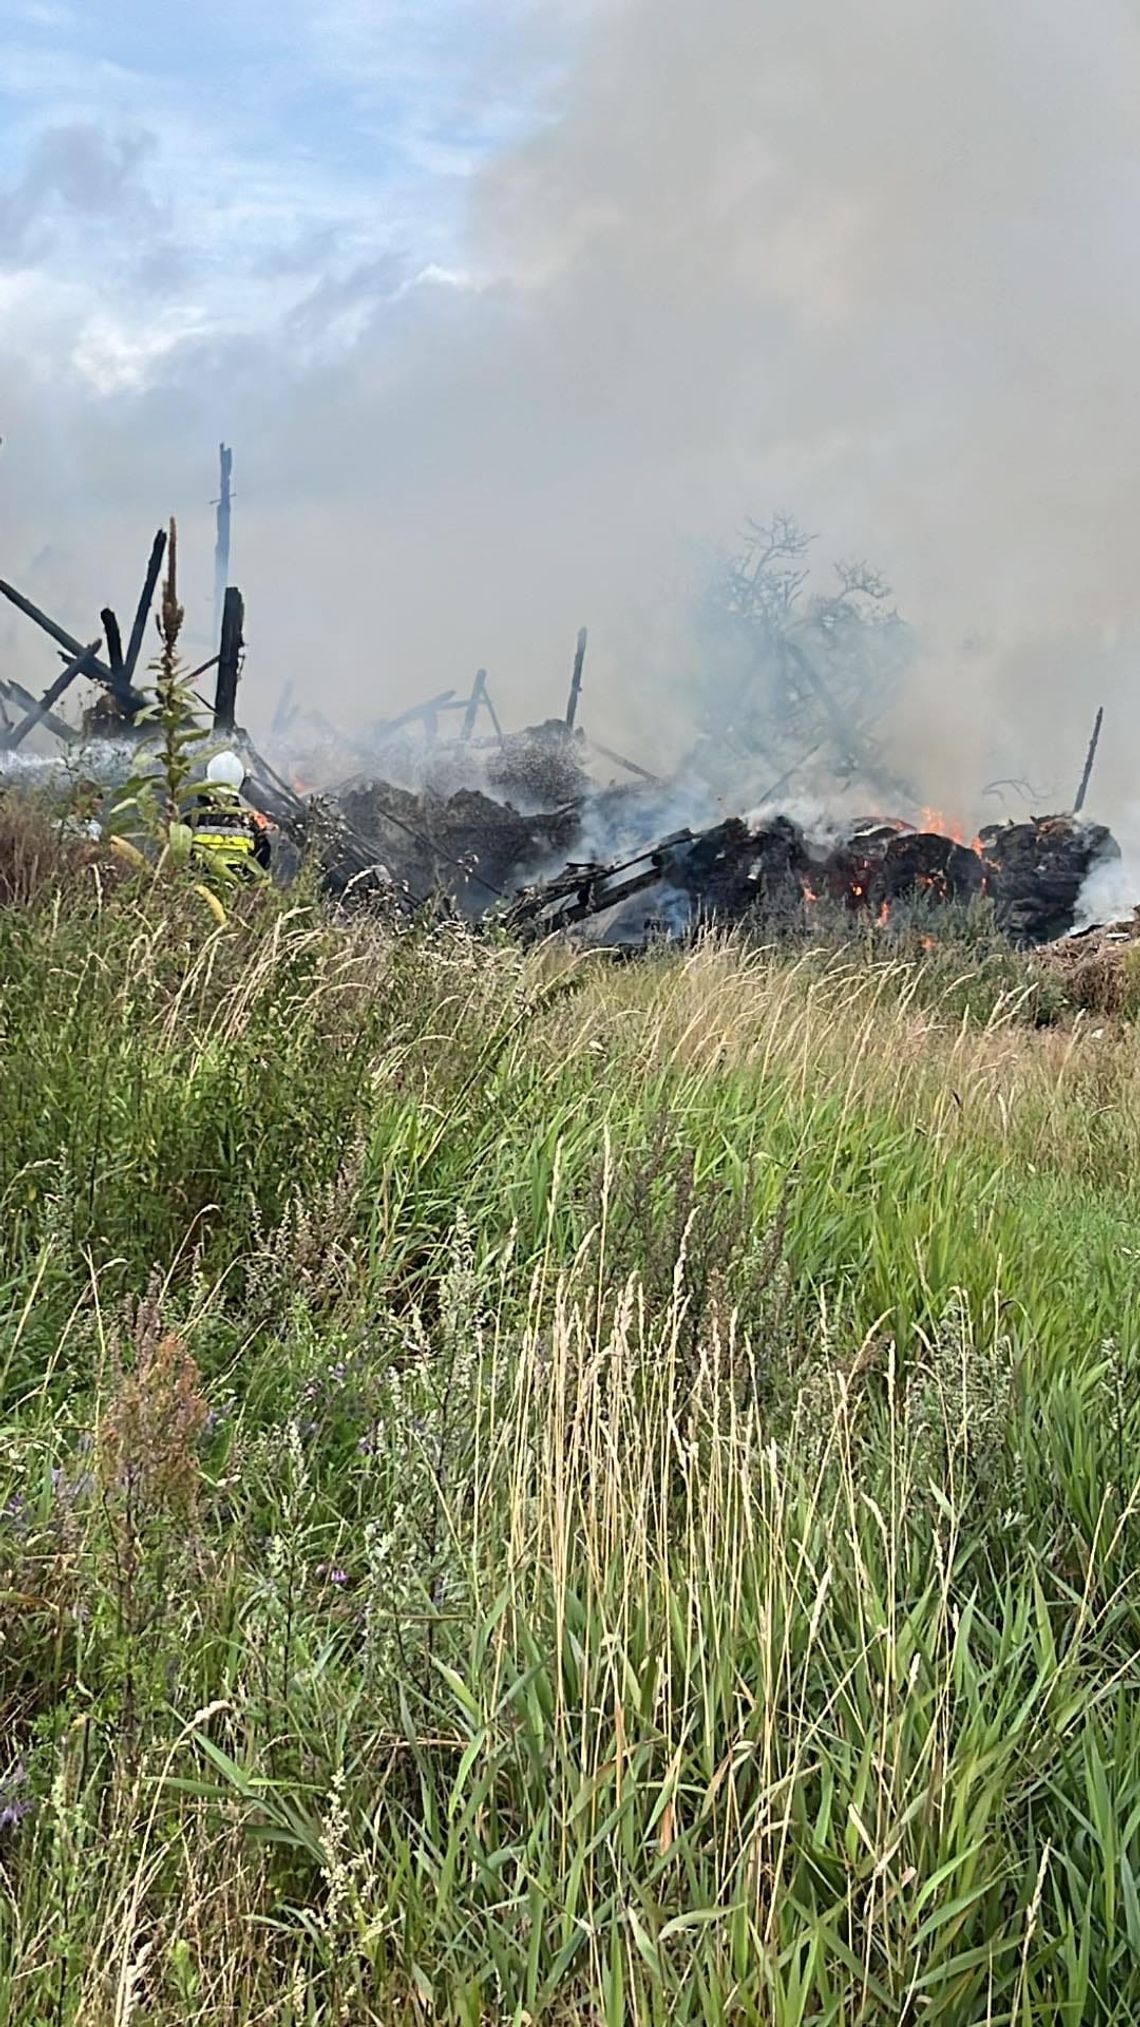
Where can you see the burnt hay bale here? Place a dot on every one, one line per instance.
(1035, 871)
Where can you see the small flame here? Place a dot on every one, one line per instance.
(934, 820)
(884, 914)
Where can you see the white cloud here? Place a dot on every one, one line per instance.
(114, 356)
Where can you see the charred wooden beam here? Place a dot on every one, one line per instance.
(1090, 757)
(78, 665)
(203, 669)
(425, 711)
(138, 630)
(478, 693)
(576, 679)
(619, 759)
(49, 625)
(229, 660)
(114, 642)
(222, 544)
(68, 643)
(494, 717)
(285, 709)
(15, 693)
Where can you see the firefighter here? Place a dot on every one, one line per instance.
(228, 835)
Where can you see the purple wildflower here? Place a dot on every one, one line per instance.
(14, 1806)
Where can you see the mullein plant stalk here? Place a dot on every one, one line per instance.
(152, 806)
(174, 703)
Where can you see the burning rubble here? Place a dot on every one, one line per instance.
(770, 874)
(473, 812)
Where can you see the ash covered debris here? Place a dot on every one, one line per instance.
(475, 848)
(540, 768)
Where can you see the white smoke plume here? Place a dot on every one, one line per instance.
(874, 265)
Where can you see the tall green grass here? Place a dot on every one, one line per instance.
(533, 1490)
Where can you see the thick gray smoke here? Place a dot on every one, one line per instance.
(874, 265)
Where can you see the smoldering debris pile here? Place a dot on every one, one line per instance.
(771, 874)
(1036, 871)
(476, 849)
(472, 814)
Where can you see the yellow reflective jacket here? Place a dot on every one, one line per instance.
(223, 827)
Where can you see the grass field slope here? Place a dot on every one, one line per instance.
(538, 1490)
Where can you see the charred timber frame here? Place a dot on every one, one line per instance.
(79, 665)
(15, 693)
(117, 672)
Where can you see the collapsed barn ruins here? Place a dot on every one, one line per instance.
(517, 826)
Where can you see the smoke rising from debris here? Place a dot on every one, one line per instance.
(873, 265)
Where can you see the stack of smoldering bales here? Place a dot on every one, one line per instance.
(771, 875)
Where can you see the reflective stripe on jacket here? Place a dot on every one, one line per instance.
(234, 844)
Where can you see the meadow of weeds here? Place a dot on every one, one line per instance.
(535, 1490)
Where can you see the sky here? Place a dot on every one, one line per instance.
(174, 173)
(514, 310)
(194, 201)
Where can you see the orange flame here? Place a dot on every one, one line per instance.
(933, 820)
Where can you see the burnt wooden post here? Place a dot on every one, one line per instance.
(78, 665)
(134, 647)
(1086, 777)
(473, 702)
(576, 679)
(114, 640)
(229, 660)
(222, 544)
